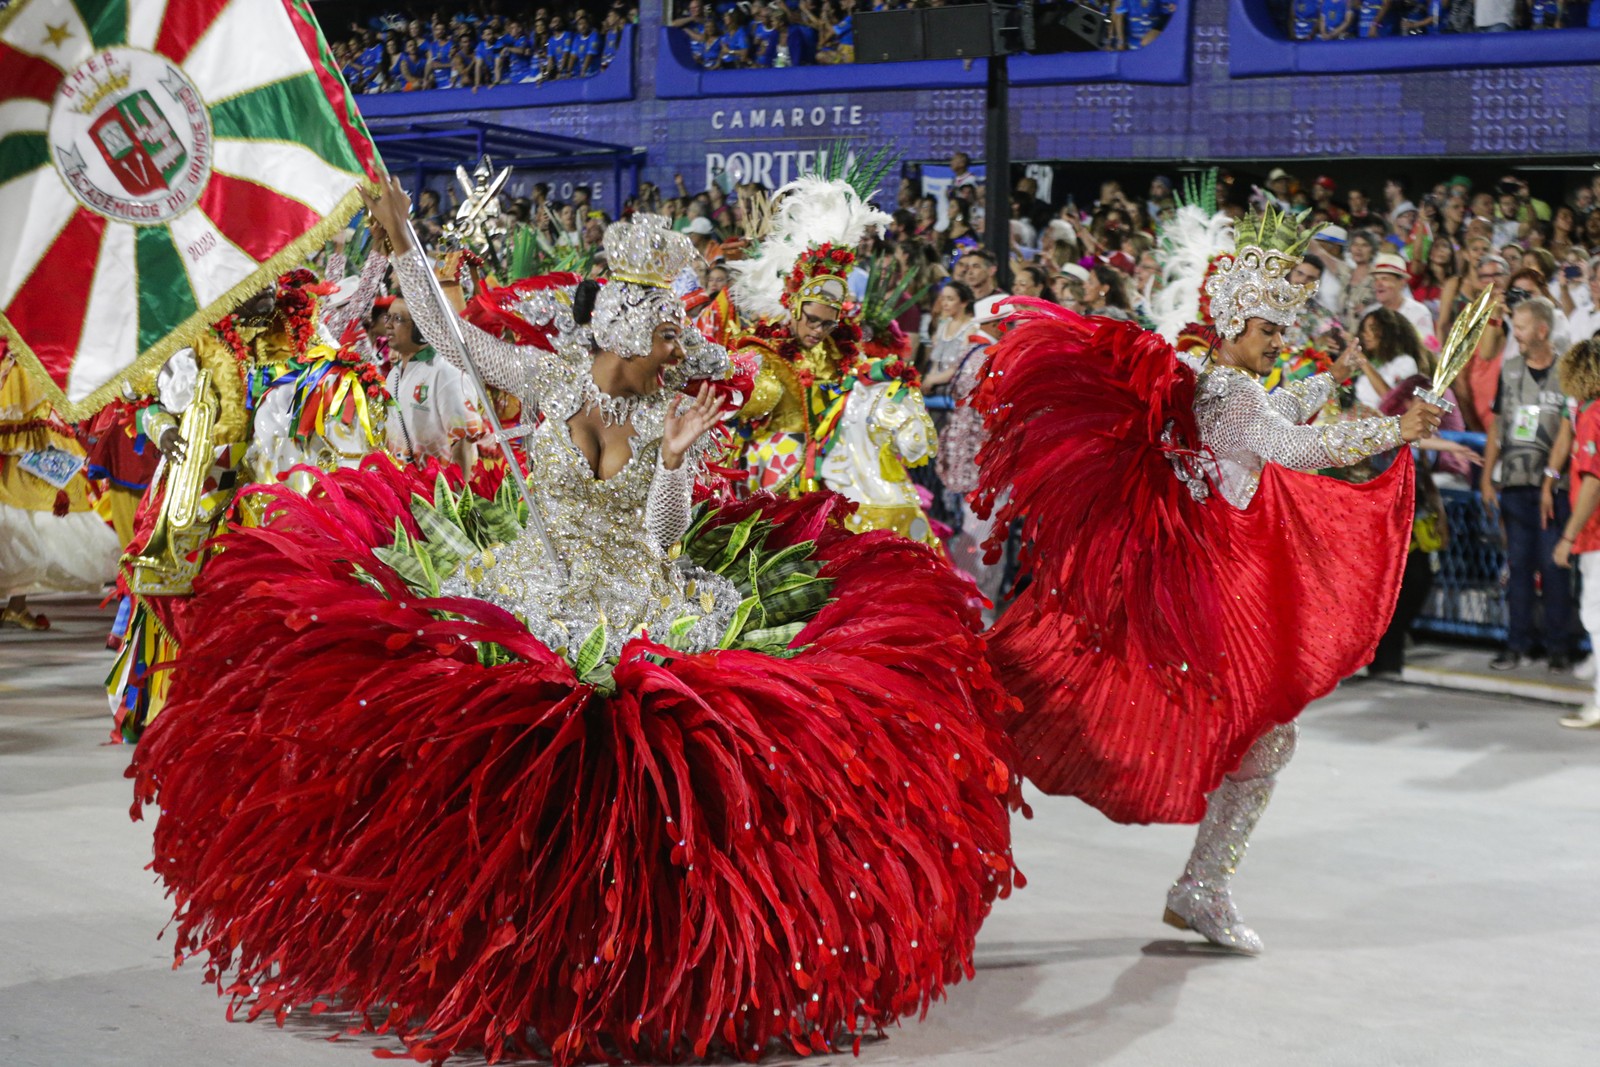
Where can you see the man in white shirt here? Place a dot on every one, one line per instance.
(1392, 283)
(1329, 249)
(435, 406)
(1585, 318)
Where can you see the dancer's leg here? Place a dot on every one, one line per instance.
(1202, 900)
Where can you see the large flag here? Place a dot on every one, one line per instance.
(160, 161)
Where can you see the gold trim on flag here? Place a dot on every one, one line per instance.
(152, 359)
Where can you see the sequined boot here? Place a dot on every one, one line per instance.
(1202, 900)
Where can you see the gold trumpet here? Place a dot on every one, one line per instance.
(162, 562)
(1458, 349)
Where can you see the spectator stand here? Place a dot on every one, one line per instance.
(1259, 46)
(425, 148)
(1165, 61)
(614, 83)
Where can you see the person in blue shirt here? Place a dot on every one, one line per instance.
(1307, 15)
(371, 58)
(735, 45)
(1426, 16)
(1337, 17)
(711, 48)
(611, 33)
(697, 27)
(1141, 21)
(557, 57)
(1117, 28)
(354, 76)
(844, 36)
(411, 67)
(585, 50)
(516, 56)
(1378, 18)
(485, 59)
(764, 38)
(439, 51)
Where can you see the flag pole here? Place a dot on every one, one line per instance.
(535, 520)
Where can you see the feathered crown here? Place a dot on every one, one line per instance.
(646, 251)
(808, 215)
(1254, 283)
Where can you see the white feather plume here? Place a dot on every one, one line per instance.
(1188, 244)
(807, 212)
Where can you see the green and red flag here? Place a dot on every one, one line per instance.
(160, 161)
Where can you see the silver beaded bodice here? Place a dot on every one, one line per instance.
(1244, 428)
(613, 535)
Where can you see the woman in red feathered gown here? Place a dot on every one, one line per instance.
(722, 781)
(1191, 590)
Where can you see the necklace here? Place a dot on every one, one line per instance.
(614, 410)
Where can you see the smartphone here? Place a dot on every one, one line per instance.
(1573, 271)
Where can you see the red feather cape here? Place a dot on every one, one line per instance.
(1161, 636)
(731, 850)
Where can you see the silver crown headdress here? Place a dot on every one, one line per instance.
(1255, 283)
(645, 256)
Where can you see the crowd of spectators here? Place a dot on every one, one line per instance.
(1394, 267)
(790, 33)
(1334, 20)
(481, 46)
(1422, 255)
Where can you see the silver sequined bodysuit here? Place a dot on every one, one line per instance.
(1245, 428)
(613, 534)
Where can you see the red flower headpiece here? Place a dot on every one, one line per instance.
(819, 277)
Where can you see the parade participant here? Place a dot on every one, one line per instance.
(121, 456)
(435, 407)
(52, 540)
(597, 779)
(1191, 592)
(823, 414)
(270, 399)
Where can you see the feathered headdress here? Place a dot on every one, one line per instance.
(1254, 282)
(807, 214)
(1191, 241)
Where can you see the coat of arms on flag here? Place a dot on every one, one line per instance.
(160, 161)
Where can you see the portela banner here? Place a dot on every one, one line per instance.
(160, 161)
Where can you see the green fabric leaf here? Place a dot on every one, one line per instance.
(589, 653)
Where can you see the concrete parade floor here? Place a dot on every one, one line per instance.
(1425, 880)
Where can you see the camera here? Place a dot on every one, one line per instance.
(1515, 297)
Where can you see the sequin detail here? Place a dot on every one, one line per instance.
(1245, 430)
(1202, 899)
(644, 255)
(1255, 284)
(613, 535)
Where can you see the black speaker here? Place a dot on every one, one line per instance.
(1071, 27)
(888, 36)
(962, 32)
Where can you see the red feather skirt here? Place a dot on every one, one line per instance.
(1307, 578)
(730, 852)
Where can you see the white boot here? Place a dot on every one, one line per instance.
(1202, 899)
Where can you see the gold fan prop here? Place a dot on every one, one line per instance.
(1458, 349)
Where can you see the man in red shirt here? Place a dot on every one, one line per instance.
(1580, 380)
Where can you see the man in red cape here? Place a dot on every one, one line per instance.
(1191, 590)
